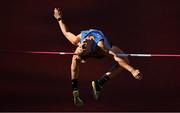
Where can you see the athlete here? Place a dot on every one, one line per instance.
(93, 43)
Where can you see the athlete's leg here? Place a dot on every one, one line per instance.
(112, 72)
(97, 85)
(120, 64)
(123, 63)
(74, 80)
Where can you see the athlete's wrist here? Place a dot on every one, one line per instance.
(59, 19)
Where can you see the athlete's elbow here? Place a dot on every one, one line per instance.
(74, 43)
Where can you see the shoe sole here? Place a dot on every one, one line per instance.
(78, 102)
(94, 90)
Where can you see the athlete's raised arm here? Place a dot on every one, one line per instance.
(70, 36)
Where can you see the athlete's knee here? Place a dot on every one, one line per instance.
(121, 59)
(74, 64)
(115, 70)
(118, 59)
(108, 73)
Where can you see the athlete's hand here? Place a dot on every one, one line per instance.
(57, 13)
(80, 59)
(137, 75)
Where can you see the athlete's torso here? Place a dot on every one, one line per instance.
(97, 36)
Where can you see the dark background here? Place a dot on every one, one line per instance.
(42, 82)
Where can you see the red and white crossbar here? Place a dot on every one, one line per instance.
(72, 53)
(130, 55)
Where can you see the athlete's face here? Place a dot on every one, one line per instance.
(86, 44)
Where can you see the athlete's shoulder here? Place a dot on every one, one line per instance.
(94, 30)
(90, 30)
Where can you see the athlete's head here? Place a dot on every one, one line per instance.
(86, 45)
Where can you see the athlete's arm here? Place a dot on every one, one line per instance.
(106, 50)
(121, 62)
(70, 36)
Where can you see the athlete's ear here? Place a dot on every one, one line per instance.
(101, 44)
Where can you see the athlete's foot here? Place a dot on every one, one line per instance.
(136, 73)
(96, 89)
(77, 101)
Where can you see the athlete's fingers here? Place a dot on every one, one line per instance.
(55, 9)
(139, 76)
